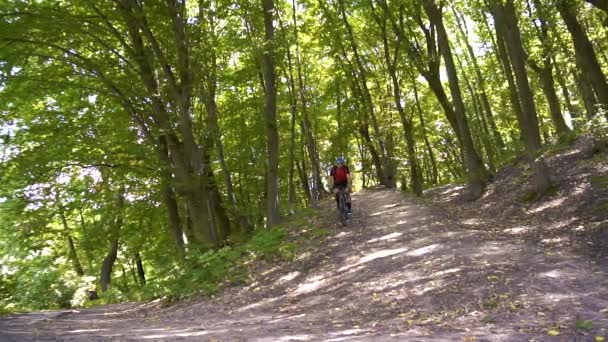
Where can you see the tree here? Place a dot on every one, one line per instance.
(506, 19)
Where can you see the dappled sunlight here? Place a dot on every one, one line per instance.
(312, 284)
(494, 249)
(175, 333)
(381, 254)
(89, 330)
(517, 230)
(552, 274)
(580, 189)
(428, 286)
(547, 205)
(287, 317)
(386, 212)
(424, 250)
(302, 337)
(375, 255)
(289, 277)
(391, 205)
(448, 271)
(472, 222)
(259, 304)
(390, 236)
(343, 234)
(346, 334)
(553, 240)
(451, 192)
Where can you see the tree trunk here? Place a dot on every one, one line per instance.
(505, 17)
(140, 269)
(114, 232)
(311, 144)
(272, 135)
(548, 85)
(434, 172)
(487, 108)
(545, 71)
(503, 57)
(584, 51)
(408, 129)
(477, 174)
(379, 159)
(171, 201)
(71, 248)
(573, 111)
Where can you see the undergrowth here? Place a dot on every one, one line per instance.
(206, 273)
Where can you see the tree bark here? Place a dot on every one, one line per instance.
(433, 161)
(487, 108)
(545, 71)
(113, 236)
(379, 159)
(270, 108)
(585, 54)
(505, 16)
(141, 275)
(311, 144)
(71, 248)
(408, 127)
(477, 174)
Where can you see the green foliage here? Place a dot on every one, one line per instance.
(582, 324)
(599, 181)
(205, 273)
(597, 127)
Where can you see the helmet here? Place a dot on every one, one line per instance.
(340, 160)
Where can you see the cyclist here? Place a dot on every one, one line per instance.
(339, 177)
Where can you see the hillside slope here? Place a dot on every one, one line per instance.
(402, 271)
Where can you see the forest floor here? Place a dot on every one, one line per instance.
(406, 269)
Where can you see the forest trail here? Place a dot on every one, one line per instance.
(402, 271)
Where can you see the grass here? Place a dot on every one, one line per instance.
(582, 324)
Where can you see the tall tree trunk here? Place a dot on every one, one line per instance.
(503, 57)
(548, 85)
(587, 94)
(140, 269)
(408, 127)
(171, 201)
(573, 110)
(477, 174)
(506, 17)
(71, 248)
(272, 134)
(434, 171)
(379, 159)
(545, 71)
(487, 108)
(584, 51)
(105, 277)
(311, 144)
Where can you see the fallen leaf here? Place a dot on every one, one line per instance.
(553, 332)
(599, 338)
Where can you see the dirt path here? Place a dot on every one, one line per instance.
(402, 271)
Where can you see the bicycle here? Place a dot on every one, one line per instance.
(343, 206)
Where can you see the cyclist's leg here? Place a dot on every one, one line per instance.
(336, 191)
(348, 202)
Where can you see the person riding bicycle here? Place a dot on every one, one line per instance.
(340, 179)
